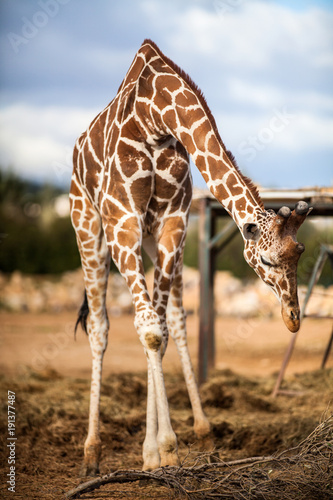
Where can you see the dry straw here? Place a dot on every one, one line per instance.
(302, 472)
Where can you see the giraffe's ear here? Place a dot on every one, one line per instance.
(251, 231)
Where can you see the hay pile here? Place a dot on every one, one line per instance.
(302, 472)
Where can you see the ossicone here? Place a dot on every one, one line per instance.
(282, 217)
(302, 208)
(300, 248)
(292, 220)
(298, 215)
(284, 212)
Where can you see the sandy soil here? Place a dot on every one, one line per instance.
(49, 373)
(250, 347)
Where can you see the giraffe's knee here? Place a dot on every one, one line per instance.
(149, 329)
(92, 455)
(153, 340)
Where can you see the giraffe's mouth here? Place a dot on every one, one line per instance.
(290, 317)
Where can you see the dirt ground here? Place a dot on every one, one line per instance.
(49, 373)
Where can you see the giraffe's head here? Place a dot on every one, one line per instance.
(272, 250)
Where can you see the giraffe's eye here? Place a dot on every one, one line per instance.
(266, 262)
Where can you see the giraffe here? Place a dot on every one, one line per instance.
(131, 188)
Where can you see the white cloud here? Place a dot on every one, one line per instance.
(279, 128)
(249, 93)
(38, 141)
(253, 33)
(263, 97)
(249, 57)
(309, 133)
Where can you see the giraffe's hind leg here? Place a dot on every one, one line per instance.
(95, 264)
(176, 319)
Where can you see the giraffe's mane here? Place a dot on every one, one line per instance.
(251, 186)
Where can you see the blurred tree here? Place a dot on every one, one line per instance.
(231, 258)
(34, 240)
(28, 244)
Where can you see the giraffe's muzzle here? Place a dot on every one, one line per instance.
(291, 318)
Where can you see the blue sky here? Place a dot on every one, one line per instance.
(265, 68)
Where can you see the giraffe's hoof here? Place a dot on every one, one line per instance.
(91, 469)
(202, 428)
(205, 437)
(169, 456)
(149, 466)
(92, 455)
(206, 444)
(151, 460)
(168, 449)
(169, 459)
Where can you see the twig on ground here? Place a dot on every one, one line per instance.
(305, 471)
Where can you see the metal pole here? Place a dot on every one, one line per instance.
(327, 351)
(211, 305)
(284, 365)
(317, 270)
(205, 289)
(210, 244)
(313, 280)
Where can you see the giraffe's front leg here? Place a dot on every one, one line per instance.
(150, 453)
(166, 438)
(160, 448)
(160, 445)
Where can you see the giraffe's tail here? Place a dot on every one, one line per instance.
(83, 314)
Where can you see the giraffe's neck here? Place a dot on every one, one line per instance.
(157, 100)
(173, 105)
